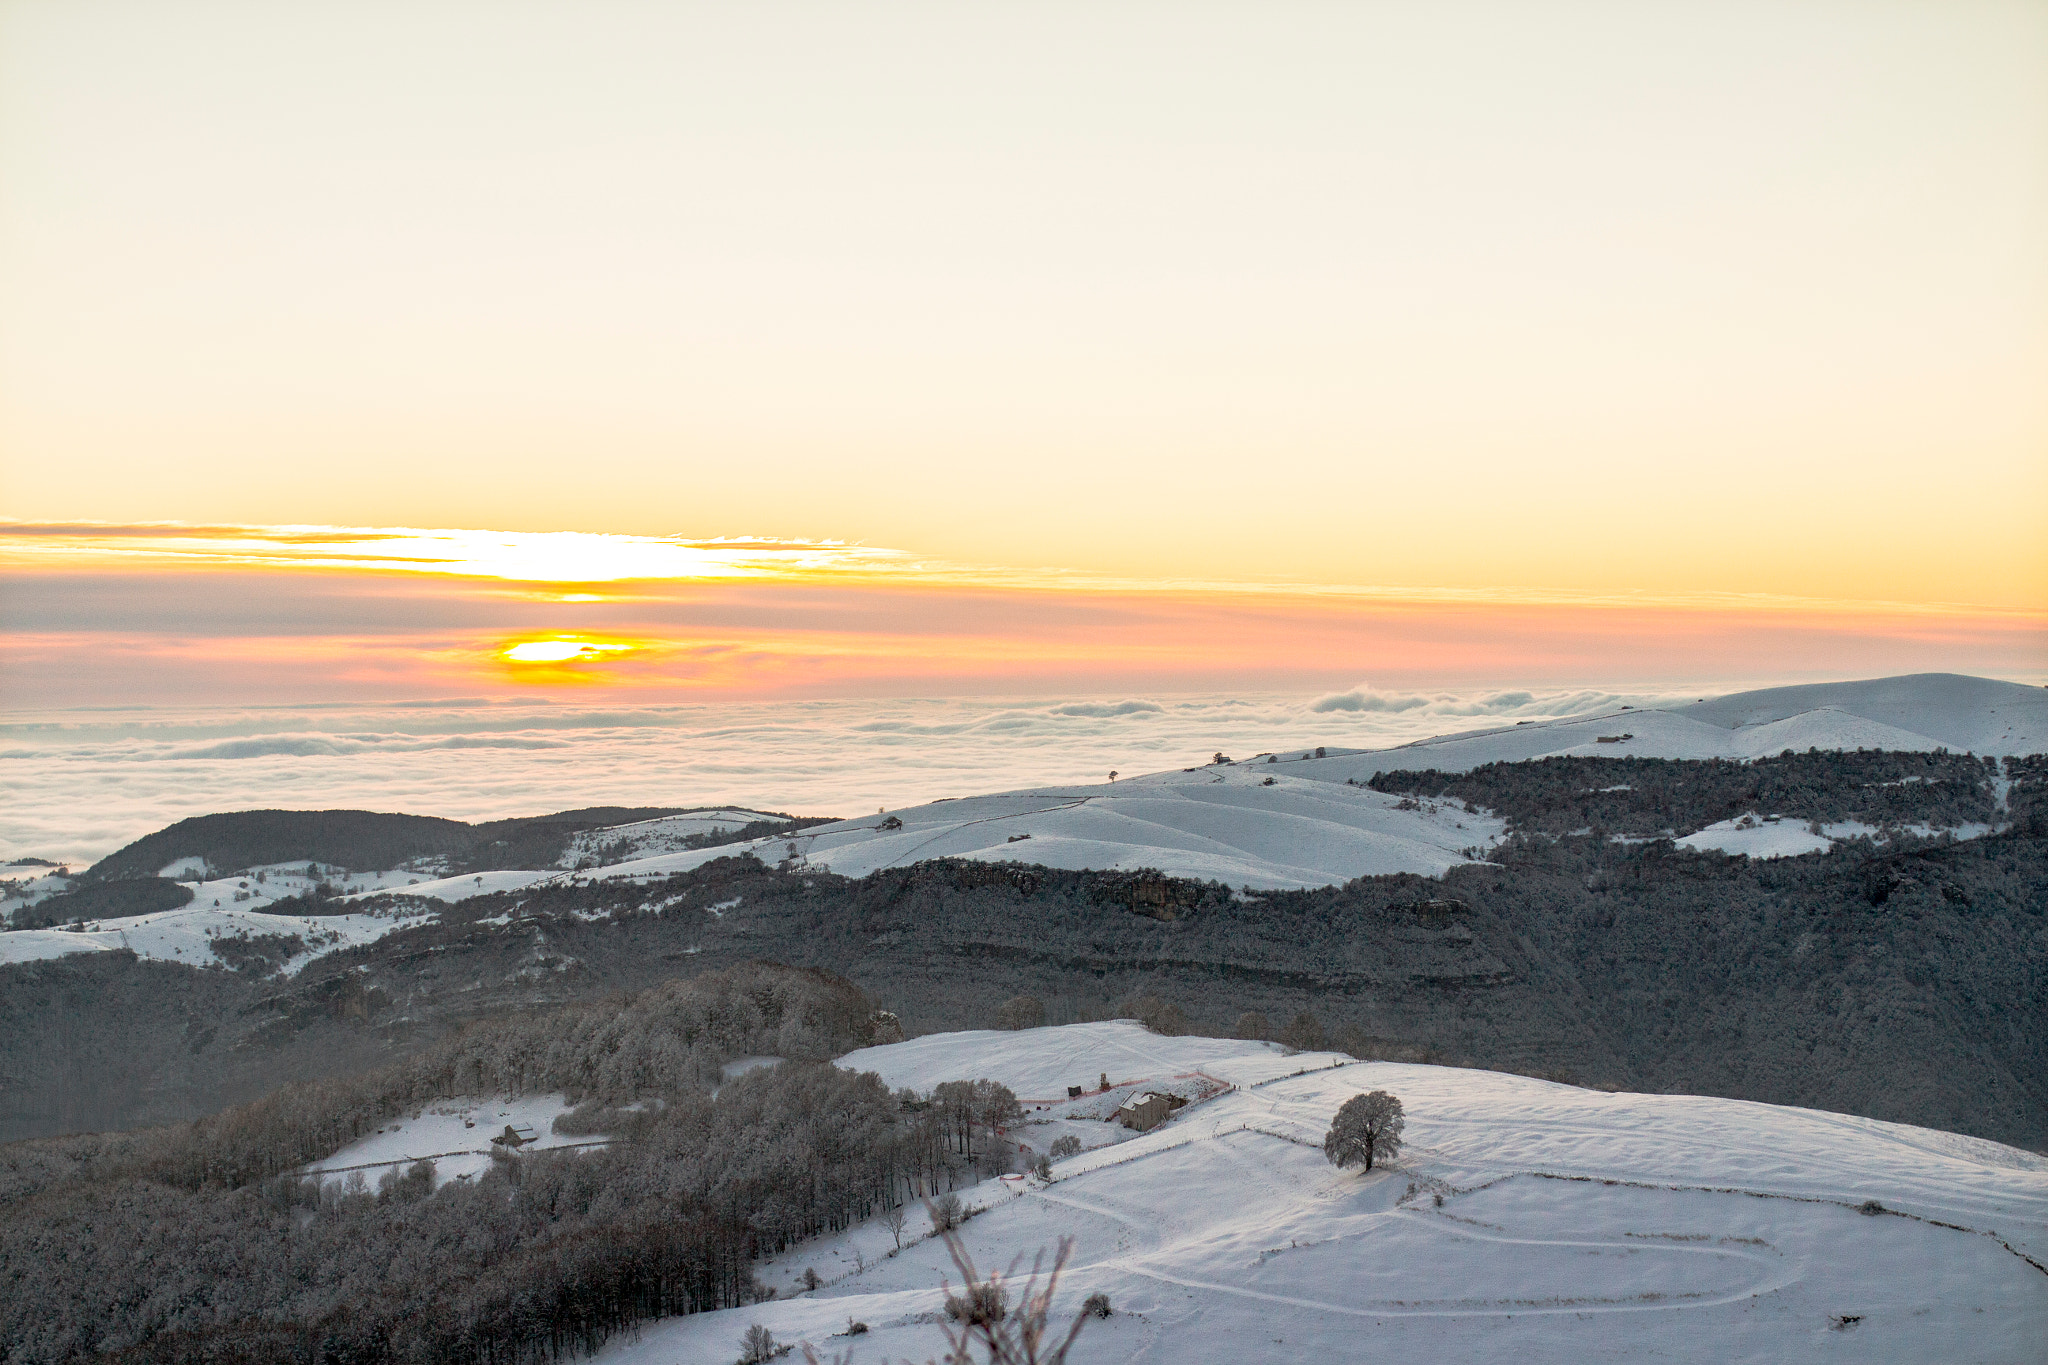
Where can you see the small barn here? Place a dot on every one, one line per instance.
(1142, 1113)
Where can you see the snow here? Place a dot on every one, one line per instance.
(1574, 1225)
(1770, 836)
(664, 834)
(451, 889)
(1971, 715)
(455, 1135)
(1311, 827)
(25, 884)
(1756, 836)
(1218, 822)
(188, 934)
(1915, 714)
(1041, 1063)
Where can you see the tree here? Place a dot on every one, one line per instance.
(1304, 1033)
(1020, 1012)
(893, 1219)
(758, 1346)
(1367, 1128)
(1251, 1026)
(1161, 1016)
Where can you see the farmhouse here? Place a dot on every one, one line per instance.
(1142, 1113)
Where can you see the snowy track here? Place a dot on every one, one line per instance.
(1575, 1225)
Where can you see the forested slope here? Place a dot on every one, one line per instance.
(200, 1242)
(1903, 984)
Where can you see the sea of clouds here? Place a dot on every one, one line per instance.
(79, 784)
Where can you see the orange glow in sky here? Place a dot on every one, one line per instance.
(792, 349)
(111, 613)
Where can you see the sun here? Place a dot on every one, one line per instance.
(564, 660)
(562, 651)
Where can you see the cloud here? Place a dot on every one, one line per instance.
(331, 746)
(1364, 698)
(1106, 709)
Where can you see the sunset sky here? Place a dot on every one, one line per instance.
(438, 349)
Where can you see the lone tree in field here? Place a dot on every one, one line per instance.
(1367, 1129)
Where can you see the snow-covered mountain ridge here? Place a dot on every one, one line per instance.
(1302, 820)
(1294, 819)
(1524, 1220)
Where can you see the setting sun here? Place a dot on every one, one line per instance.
(565, 651)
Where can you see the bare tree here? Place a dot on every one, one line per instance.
(1367, 1128)
(894, 1220)
(1251, 1026)
(758, 1346)
(983, 1321)
(1304, 1033)
(1161, 1016)
(1020, 1012)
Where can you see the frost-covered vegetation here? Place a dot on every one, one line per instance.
(206, 1241)
(1653, 796)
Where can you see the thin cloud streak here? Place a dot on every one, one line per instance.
(635, 567)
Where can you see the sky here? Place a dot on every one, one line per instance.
(440, 350)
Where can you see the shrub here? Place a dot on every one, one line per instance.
(1096, 1306)
(945, 1212)
(980, 1304)
(1065, 1146)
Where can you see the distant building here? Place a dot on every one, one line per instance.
(1142, 1113)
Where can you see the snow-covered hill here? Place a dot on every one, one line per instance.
(1268, 822)
(1300, 820)
(205, 935)
(1252, 825)
(1917, 713)
(663, 834)
(1525, 1221)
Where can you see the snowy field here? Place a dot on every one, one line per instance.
(1300, 821)
(453, 1134)
(1573, 1225)
(192, 933)
(664, 834)
(1245, 824)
